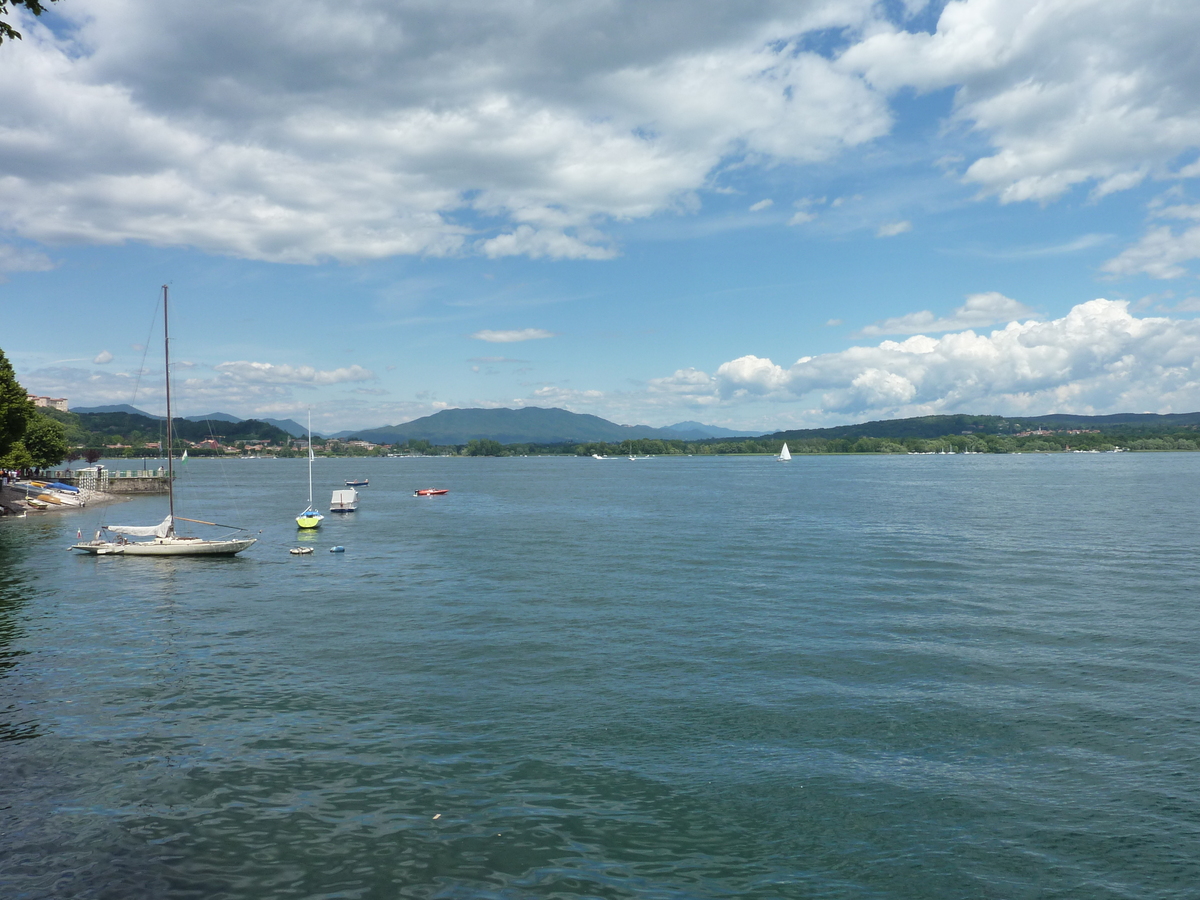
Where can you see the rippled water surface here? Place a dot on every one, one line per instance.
(893, 677)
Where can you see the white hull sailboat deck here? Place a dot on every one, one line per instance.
(166, 546)
(163, 539)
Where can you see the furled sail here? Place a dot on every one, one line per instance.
(162, 529)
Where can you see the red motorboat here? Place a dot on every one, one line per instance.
(430, 492)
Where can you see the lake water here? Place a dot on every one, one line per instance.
(850, 677)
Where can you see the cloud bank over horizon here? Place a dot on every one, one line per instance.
(357, 132)
(979, 311)
(1097, 359)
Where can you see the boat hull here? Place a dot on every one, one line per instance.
(172, 546)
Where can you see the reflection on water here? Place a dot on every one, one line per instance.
(904, 678)
(15, 725)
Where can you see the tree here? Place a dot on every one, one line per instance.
(6, 30)
(46, 442)
(485, 447)
(17, 458)
(15, 408)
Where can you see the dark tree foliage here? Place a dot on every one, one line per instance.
(15, 408)
(46, 442)
(7, 31)
(485, 447)
(83, 428)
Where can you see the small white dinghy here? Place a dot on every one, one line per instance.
(785, 455)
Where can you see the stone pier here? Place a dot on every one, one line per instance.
(117, 481)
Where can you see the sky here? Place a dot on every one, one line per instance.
(756, 214)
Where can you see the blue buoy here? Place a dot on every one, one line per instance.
(337, 549)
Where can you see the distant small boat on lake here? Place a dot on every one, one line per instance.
(344, 501)
(430, 492)
(785, 455)
(361, 483)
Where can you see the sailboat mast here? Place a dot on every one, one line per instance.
(170, 466)
(310, 459)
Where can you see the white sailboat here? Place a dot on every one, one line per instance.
(785, 455)
(164, 541)
(310, 518)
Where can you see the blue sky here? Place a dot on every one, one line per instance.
(760, 215)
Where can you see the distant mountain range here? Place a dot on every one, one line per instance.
(120, 408)
(940, 426)
(140, 427)
(696, 431)
(529, 425)
(216, 417)
(295, 429)
(536, 425)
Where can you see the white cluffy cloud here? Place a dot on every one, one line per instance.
(891, 229)
(383, 127)
(21, 259)
(1097, 359)
(1100, 92)
(102, 358)
(363, 130)
(513, 336)
(1161, 251)
(269, 373)
(980, 311)
(256, 391)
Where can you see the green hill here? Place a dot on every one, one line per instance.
(939, 426)
(95, 429)
(531, 425)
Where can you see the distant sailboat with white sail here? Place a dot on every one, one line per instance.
(164, 541)
(785, 455)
